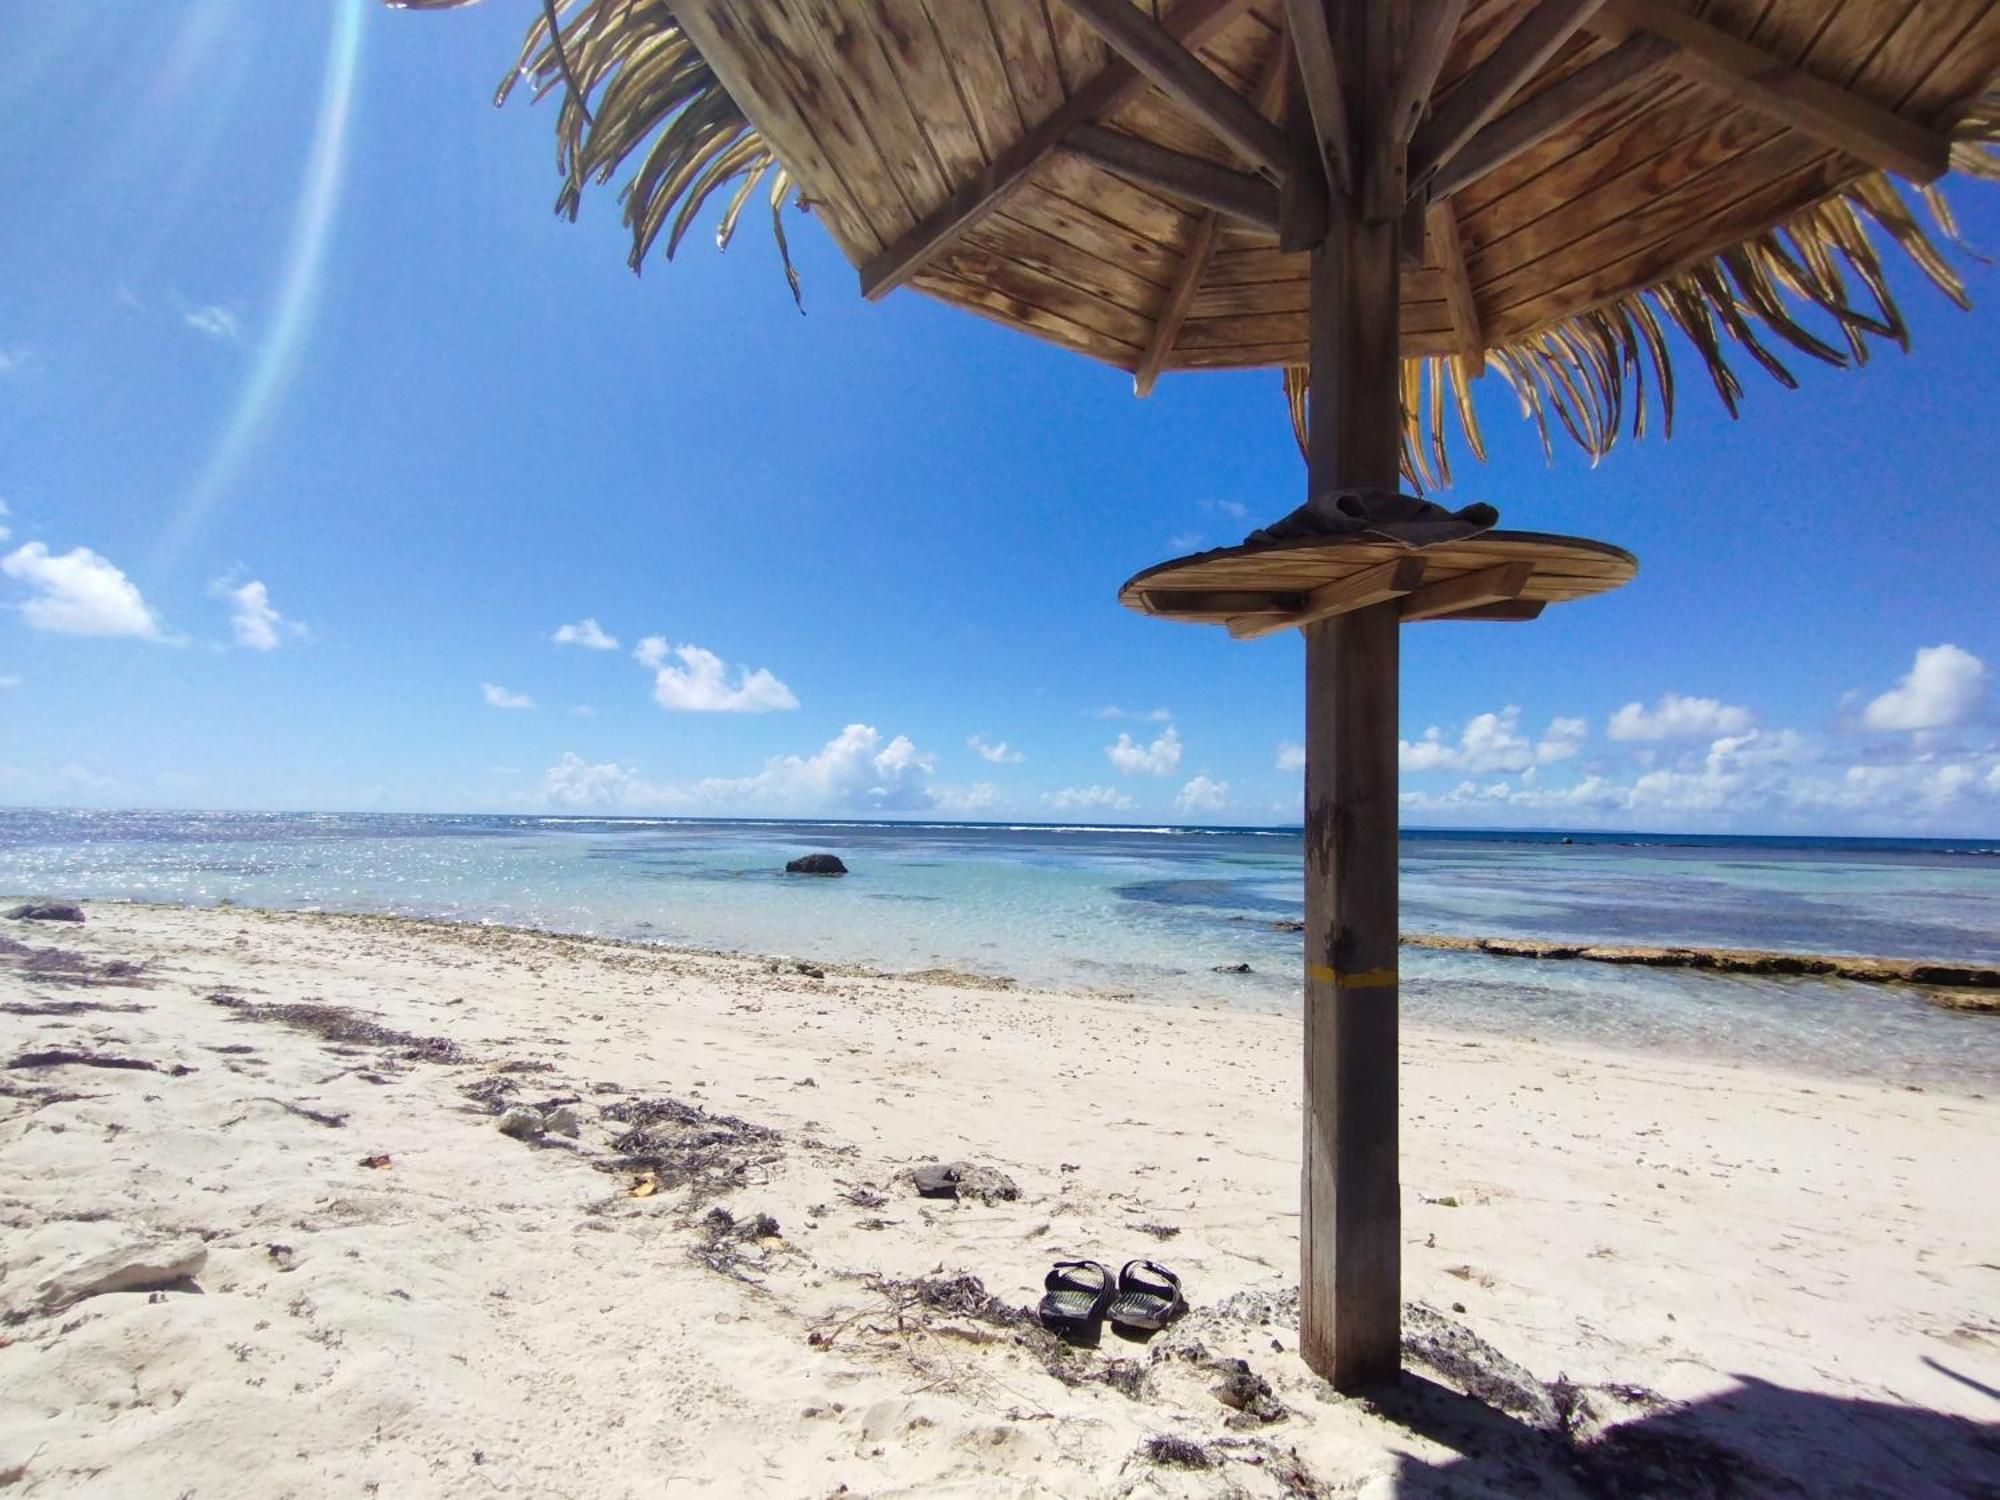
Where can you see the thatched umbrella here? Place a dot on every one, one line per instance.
(1384, 198)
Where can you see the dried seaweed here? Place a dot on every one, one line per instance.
(67, 967)
(62, 1058)
(1165, 1448)
(685, 1146)
(336, 1023)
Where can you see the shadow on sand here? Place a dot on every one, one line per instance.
(1756, 1439)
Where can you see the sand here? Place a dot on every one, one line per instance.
(339, 1276)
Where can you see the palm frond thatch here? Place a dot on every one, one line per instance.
(653, 90)
(1587, 370)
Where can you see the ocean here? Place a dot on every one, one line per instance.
(1147, 912)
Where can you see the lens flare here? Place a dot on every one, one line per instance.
(299, 286)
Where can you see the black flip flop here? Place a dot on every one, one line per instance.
(1149, 1297)
(1078, 1293)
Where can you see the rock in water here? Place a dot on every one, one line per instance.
(47, 911)
(129, 1268)
(1234, 969)
(816, 864)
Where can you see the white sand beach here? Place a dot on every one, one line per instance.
(1657, 1276)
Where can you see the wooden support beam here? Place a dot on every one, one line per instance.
(1350, 1214)
(1180, 297)
(1590, 86)
(1494, 585)
(1221, 604)
(1191, 23)
(1201, 245)
(1752, 77)
(1505, 609)
(1187, 80)
(1484, 92)
(1448, 255)
(1193, 178)
(1312, 46)
(1431, 31)
(1389, 580)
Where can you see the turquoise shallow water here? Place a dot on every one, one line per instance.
(1149, 912)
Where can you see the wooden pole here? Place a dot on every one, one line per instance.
(1350, 1242)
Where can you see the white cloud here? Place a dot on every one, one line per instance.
(981, 796)
(1943, 688)
(216, 322)
(498, 697)
(4, 531)
(586, 633)
(572, 782)
(1677, 718)
(584, 711)
(1000, 754)
(16, 361)
(8, 682)
(1234, 510)
(1184, 541)
(1157, 759)
(1562, 739)
(700, 684)
(1203, 795)
(1491, 742)
(1291, 757)
(253, 620)
(1144, 716)
(854, 772)
(1760, 779)
(79, 593)
(1089, 799)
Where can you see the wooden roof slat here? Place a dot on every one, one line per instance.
(853, 48)
(1152, 215)
(1080, 52)
(1185, 79)
(769, 91)
(1238, 194)
(1021, 29)
(1594, 86)
(910, 40)
(1615, 211)
(1190, 22)
(965, 32)
(1751, 76)
(1790, 172)
(1937, 40)
(1017, 312)
(987, 256)
(1545, 179)
(1004, 233)
(1484, 92)
(1092, 233)
(847, 124)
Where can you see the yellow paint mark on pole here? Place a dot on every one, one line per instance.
(1369, 979)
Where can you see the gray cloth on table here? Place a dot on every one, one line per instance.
(1377, 515)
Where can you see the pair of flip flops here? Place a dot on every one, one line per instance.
(1081, 1295)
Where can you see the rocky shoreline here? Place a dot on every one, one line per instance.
(1957, 986)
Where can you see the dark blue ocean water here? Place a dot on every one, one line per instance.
(1144, 911)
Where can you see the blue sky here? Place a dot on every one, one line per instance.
(349, 425)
